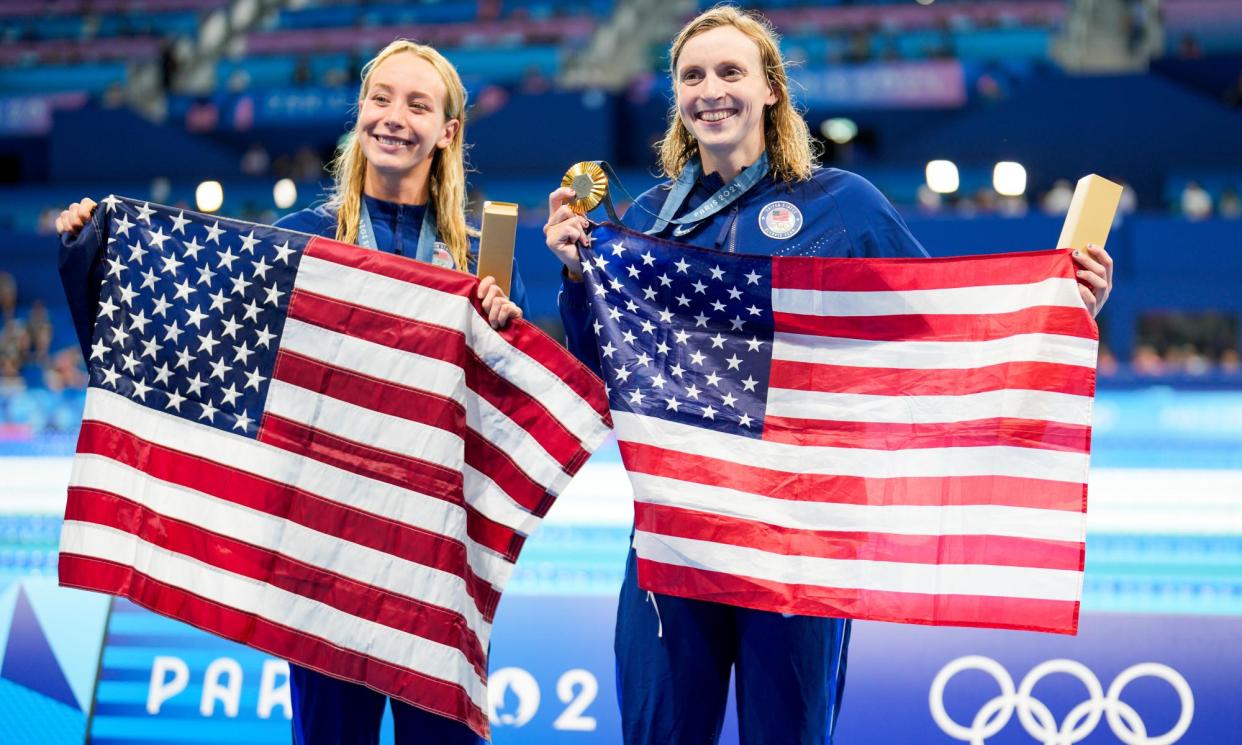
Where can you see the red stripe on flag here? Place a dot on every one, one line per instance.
(1044, 319)
(423, 691)
(393, 266)
(378, 327)
(887, 381)
(381, 396)
(330, 588)
(288, 503)
(885, 275)
(392, 468)
(860, 546)
(1057, 616)
(527, 412)
(998, 431)
(1006, 491)
(498, 466)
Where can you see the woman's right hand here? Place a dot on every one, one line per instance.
(70, 221)
(565, 230)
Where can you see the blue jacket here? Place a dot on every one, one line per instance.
(841, 215)
(396, 231)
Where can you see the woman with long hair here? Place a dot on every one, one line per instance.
(742, 177)
(399, 187)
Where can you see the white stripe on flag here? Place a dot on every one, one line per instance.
(366, 565)
(969, 461)
(988, 299)
(497, 428)
(404, 368)
(365, 426)
(999, 520)
(486, 496)
(935, 355)
(857, 407)
(883, 576)
(385, 294)
(298, 613)
(403, 505)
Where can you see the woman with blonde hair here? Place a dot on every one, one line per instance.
(399, 187)
(742, 177)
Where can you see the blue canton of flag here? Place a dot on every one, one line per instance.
(190, 312)
(682, 336)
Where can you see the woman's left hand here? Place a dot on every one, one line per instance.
(496, 305)
(1095, 277)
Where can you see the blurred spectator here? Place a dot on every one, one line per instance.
(302, 72)
(161, 189)
(1106, 363)
(1229, 362)
(1147, 361)
(1230, 204)
(1196, 203)
(1188, 47)
(8, 296)
(1129, 200)
(239, 81)
(255, 161)
(306, 165)
(47, 220)
(1233, 96)
(1057, 200)
(929, 202)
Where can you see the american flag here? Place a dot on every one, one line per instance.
(320, 451)
(888, 439)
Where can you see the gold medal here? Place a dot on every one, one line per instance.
(589, 183)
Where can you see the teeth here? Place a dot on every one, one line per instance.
(715, 116)
(390, 140)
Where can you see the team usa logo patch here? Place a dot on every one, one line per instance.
(780, 220)
(442, 257)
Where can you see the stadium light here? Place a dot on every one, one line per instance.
(942, 176)
(839, 129)
(285, 193)
(925, 2)
(209, 196)
(1009, 179)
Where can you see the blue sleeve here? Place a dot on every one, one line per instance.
(314, 221)
(875, 227)
(81, 273)
(517, 289)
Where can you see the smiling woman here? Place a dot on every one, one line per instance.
(399, 188)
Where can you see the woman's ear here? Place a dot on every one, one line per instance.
(450, 131)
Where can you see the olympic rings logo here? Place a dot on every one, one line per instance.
(1038, 720)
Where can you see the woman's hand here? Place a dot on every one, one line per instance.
(70, 221)
(498, 307)
(566, 230)
(1095, 277)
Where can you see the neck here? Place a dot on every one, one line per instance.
(729, 165)
(407, 188)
